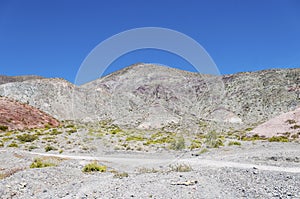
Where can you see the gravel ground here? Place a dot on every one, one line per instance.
(227, 172)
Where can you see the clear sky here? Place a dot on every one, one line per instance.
(51, 38)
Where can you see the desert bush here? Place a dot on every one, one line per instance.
(3, 128)
(180, 168)
(121, 175)
(234, 143)
(94, 166)
(50, 148)
(252, 138)
(30, 148)
(27, 137)
(40, 163)
(295, 126)
(278, 139)
(213, 140)
(178, 144)
(47, 126)
(135, 138)
(161, 138)
(55, 132)
(204, 150)
(295, 136)
(291, 121)
(13, 144)
(147, 170)
(71, 131)
(195, 144)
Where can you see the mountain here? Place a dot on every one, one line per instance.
(15, 115)
(6, 79)
(151, 96)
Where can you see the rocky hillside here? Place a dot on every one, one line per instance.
(18, 116)
(151, 96)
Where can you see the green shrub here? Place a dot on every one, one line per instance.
(47, 126)
(13, 144)
(234, 143)
(50, 148)
(30, 148)
(115, 131)
(27, 138)
(39, 163)
(135, 138)
(72, 131)
(278, 139)
(160, 140)
(55, 132)
(195, 144)
(253, 138)
(213, 140)
(94, 166)
(3, 128)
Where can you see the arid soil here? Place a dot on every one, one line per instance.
(252, 170)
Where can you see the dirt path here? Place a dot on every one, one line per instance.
(195, 162)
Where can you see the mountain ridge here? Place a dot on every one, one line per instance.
(151, 96)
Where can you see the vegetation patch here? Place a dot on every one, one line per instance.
(55, 132)
(50, 148)
(121, 175)
(234, 143)
(3, 128)
(147, 170)
(32, 147)
(180, 168)
(41, 163)
(278, 139)
(27, 137)
(295, 126)
(178, 144)
(94, 167)
(252, 138)
(195, 144)
(13, 144)
(291, 121)
(135, 138)
(204, 150)
(213, 140)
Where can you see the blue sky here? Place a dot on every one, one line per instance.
(51, 38)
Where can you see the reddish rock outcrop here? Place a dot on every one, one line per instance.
(15, 115)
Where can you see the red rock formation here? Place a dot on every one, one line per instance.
(16, 115)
